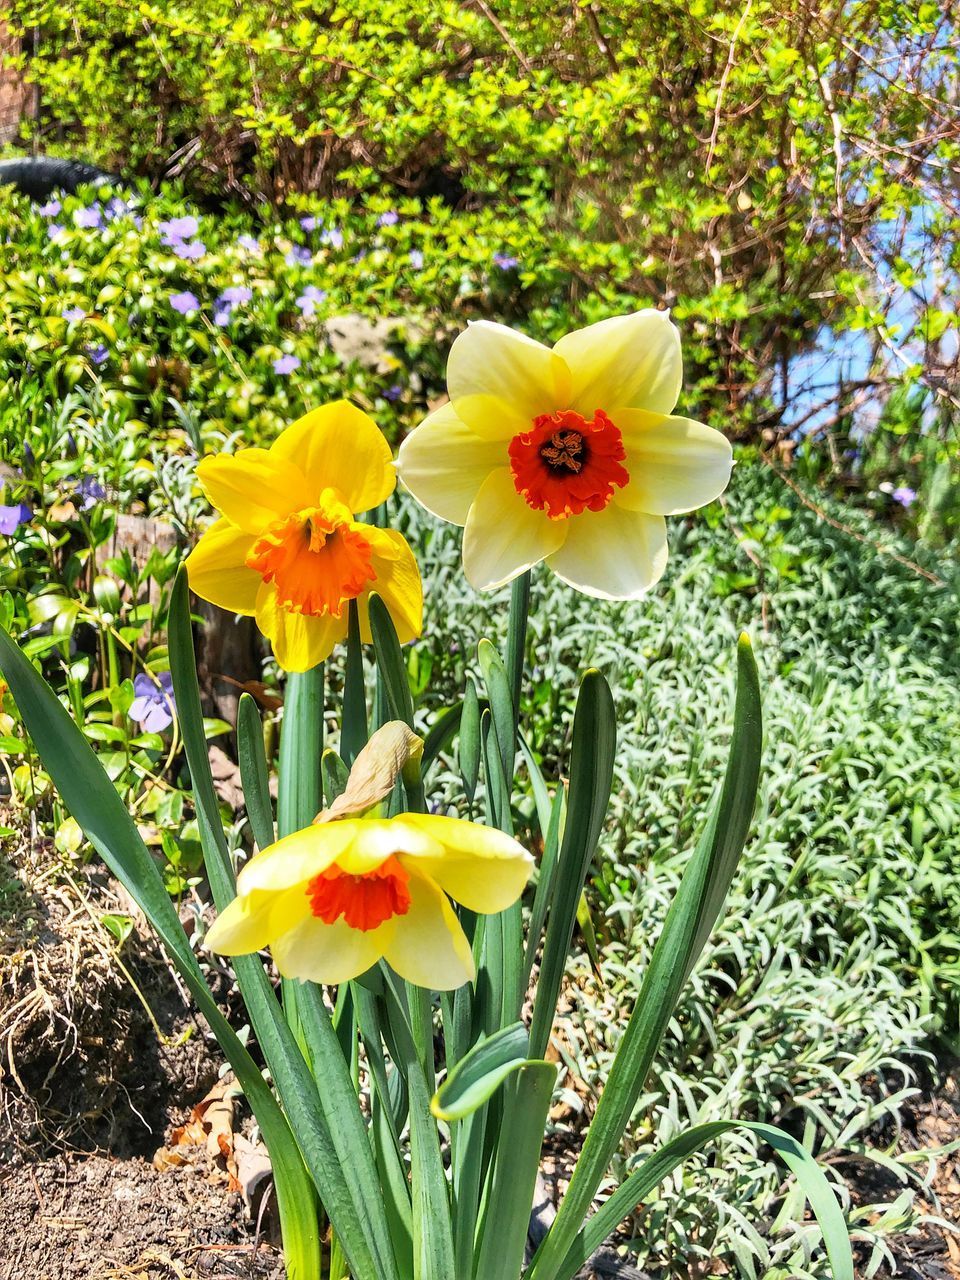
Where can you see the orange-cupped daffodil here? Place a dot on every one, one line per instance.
(568, 454)
(288, 549)
(332, 900)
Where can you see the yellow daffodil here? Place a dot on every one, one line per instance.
(289, 550)
(332, 900)
(570, 455)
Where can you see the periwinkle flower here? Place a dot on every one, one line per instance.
(298, 256)
(98, 354)
(310, 299)
(184, 302)
(13, 516)
(416, 259)
(50, 209)
(286, 364)
(388, 219)
(179, 228)
(394, 392)
(54, 230)
(250, 243)
(309, 223)
(73, 314)
(90, 491)
(905, 496)
(333, 237)
(89, 218)
(505, 261)
(190, 250)
(153, 708)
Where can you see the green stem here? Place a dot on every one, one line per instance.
(517, 639)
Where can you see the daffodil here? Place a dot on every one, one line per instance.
(332, 900)
(288, 549)
(570, 455)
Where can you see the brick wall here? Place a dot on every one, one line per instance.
(15, 96)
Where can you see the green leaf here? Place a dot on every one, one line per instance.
(655, 1168)
(469, 746)
(501, 703)
(392, 668)
(254, 774)
(591, 777)
(477, 1075)
(335, 774)
(354, 730)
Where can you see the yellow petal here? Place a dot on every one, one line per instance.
(217, 571)
(299, 641)
(253, 920)
(428, 946)
(443, 463)
(397, 583)
(632, 361)
(503, 536)
(675, 464)
(480, 868)
(499, 380)
(296, 858)
(253, 488)
(340, 447)
(613, 554)
(316, 952)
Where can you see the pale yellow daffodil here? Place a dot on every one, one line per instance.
(569, 455)
(289, 550)
(332, 900)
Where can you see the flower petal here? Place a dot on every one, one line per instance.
(480, 868)
(300, 641)
(443, 463)
(633, 361)
(217, 570)
(253, 920)
(397, 583)
(253, 488)
(317, 952)
(428, 946)
(613, 554)
(503, 536)
(499, 380)
(297, 858)
(340, 447)
(675, 464)
(377, 839)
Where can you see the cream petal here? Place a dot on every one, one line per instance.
(675, 464)
(503, 536)
(613, 554)
(443, 463)
(380, 838)
(252, 920)
(254, 487)
(428, 946)
(340, 447)
(317, 952)
(499, 380)
(217, 570)
(297, 858)
(479, 867)
(299, 641)
(631, 360)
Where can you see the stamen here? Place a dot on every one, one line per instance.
(567, 465)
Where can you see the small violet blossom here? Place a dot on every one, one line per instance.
(73, 313)
(310, 299)
(250, 243)
(416, 259)
(505, 261)
(54, 230)
(234, 296)
(178, 228)
(88, 219)
(298, 256)
(394, 392)
(333, 237)
(286, 364)
(904, 495)
(309, 223)
(98, 354)
(12, 517)
(388, 219)
(154, 706)
(90, 491)
(50, 209)
(184, 302)
(189, 249)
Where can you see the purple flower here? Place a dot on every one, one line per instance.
(98, 354)
(73, 313)
(505, 261)
(310, 223)
(905, 496)
(333, 237)
(178, 228)
(286, 364)
(221, 316)
(250, 243)
(54, 230)
(11, 517)
(236, 294)
(310, 299)
(184, 302)
(189, 249)
(153, 708)
(416, 259)
(50, 209)
(89, 218)
(90, 491)
(388, 219)
(298, 256)
(116, 207)
(394, 392)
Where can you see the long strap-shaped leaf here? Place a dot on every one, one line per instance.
(93, 801)
(688, 922)
(642, 1181)
(328, 1124)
